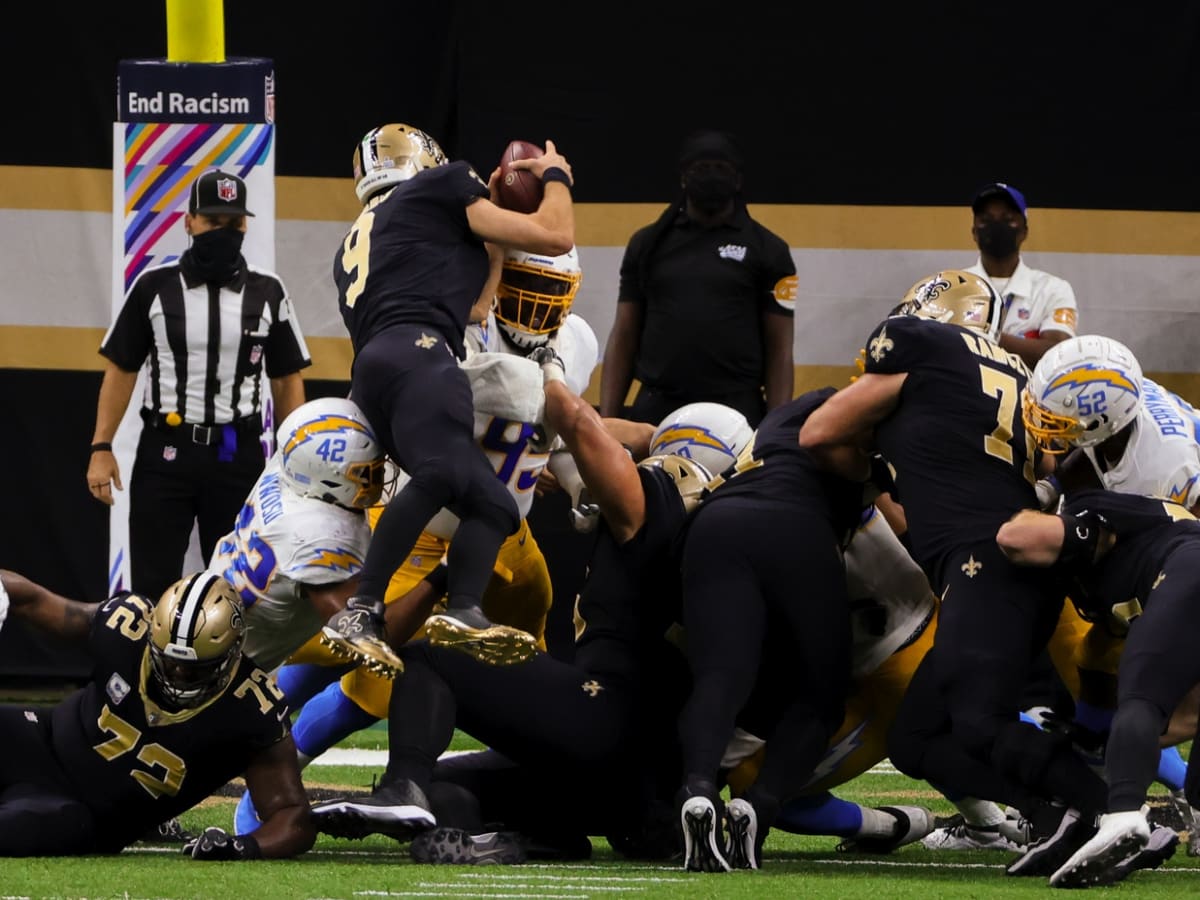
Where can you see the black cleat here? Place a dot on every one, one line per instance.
(454, 846)
(1045, 856)
(701, 836)
(469, 630)
(399, 810)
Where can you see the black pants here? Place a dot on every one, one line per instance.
(419, 403)
(177, 482)
(748, 561)
(39, 814)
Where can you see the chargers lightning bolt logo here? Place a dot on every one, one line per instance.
(339, 559)
(1085, 375)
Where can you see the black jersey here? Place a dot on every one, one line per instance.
(1115, 590)
(411, 258)
(963, 462)
(135, 764)
(631, 595)
(778, 470)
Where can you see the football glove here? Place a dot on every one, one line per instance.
(552, 365)
(219, 845)
(585, 514)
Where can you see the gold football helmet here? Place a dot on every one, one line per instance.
(390, 154)
(956, 297)
(197, 630)
(535, 294)
(689, 476)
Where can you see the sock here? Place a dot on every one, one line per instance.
(980, 813)
(824, 814)
(1172, 768)
(876, 823)
(326, 719)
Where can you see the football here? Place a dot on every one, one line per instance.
(519, 190)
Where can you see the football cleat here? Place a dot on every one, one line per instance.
(1161, 847)
(365, 650)
(741, 824)
(1047, 855)
(454, 846)
(469, 630)
(398, 809)
(1119, 837)
(958, 835)
(701, 836)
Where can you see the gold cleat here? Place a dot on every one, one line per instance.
(496, 645)
(372, 653)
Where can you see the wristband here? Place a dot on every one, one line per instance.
(1081, 535)
(554, 173)
(102, 447)
(247, 846)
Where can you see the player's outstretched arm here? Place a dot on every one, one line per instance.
(273, 779)
(52, 613)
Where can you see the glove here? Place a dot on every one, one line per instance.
(552, 365)
(585, 514)
(218, 845)
(1047, 493)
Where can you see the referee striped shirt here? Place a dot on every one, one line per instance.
(207, 344)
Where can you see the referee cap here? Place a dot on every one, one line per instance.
(218, 193)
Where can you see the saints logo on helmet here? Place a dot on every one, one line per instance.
(196, 634)
(327, 451)
(1083, 391)
(956, 297)
(390, 154)
(690, 477)
(535, 294)
(713, 434)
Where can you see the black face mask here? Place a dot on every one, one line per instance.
(216, 254)
(997, 239)
(711, 191)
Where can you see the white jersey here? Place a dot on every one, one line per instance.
(1162, 458)
(508, 403)
(1034, 302)
(281, 543)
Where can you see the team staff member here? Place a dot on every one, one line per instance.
(1039, 308)
(704, 268)
(208, 324)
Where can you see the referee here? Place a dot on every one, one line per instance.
(209, 324)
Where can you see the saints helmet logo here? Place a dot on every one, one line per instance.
(971, 567)
(426, 341)
(592, 688)
(880, 345)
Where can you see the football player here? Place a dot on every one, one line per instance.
(1135, 563)
(532, 310)
(173, 710)
(939, 399)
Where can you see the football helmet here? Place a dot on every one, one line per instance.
(390, 154)
(956, 297)
(328, 451)
(535, 294)
(1083, 391)
(197, 629)
(690, 477)
(713, 434)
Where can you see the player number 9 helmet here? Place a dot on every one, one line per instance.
(390, 154)
(196, 635)
(956, 297)
(328, 451)
(713, 434)
(535, 294)
(1083, 391)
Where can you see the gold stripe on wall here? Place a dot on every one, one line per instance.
(76, 349)
(611, 224)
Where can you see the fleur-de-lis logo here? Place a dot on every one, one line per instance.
(880, 345)
(425, 341)
(971, 567)
(1158, 580)
(592, 688)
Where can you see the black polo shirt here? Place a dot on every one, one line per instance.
(704, 290)
(207, 344)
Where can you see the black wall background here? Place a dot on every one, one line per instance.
(1081, 105)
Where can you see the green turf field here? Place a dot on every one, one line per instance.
(379, 867)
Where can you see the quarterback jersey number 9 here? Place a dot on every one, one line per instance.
(356, 253)
(1004, 388)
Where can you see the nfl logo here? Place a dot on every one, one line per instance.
(227, 189)
(255, 354)
(169, 454)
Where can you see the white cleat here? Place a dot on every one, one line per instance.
(1118, 837)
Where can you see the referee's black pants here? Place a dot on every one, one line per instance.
(177, 482)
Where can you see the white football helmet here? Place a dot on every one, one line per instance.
(956, 297)
(713, 434)
(690, 477)
(535, 294)
(328, 451)
(390, 154)
(1083, 391)
(197, 630)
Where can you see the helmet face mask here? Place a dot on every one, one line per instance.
(328, 452)
(956, 297)
(535, 294)
(690, 477)
(713, 434)
(1082, 392)
(390, 154)
(197, 631)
